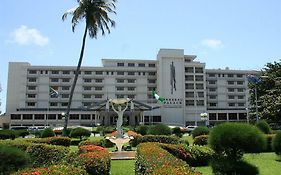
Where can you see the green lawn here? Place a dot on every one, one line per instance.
(122, 167)
(267, 163)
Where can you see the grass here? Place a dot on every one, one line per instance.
(122, 167)
(268, 163)
(188, 138)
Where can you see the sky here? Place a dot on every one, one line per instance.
(239, 34)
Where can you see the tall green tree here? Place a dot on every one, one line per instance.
(269, 92)
(95, 13)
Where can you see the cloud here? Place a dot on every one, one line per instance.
(212, 43)
(26, 36)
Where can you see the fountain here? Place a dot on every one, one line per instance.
(120, 139)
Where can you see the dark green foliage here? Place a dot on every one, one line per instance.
(80, 133)
(154, 138)
(177, 131)
(200, 155)
(201, 140)
(88, 142)
(269, 138)
(230, 141)
(20, 144)
(106, 143)
(12, 159)
(48, 132)
(276, 143)
(103, 130)
(62, 141)
(159, 129)
(7, 134)
(43, 155)
(264, 127)
(21, 133)
(142, 129)
(200, 130)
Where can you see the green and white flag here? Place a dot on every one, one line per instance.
(161, 99)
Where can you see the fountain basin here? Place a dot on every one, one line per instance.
(119, 142)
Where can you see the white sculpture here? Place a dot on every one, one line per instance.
(120, 113)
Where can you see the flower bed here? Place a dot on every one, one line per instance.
(151, 158)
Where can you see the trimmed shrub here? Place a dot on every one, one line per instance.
(62, 141)
(151, 158)
(88, 142)
(230, 141)
(20, 144)
(95, 159)
(80, 133)
(178, 151)
(269, 138)
(154, 138)
(12, 159)
(276, 143)
(53, 170)
(7, 134)
(201, 140)
(200, 155)
(264, 127)
(142, 129)
(21, 133)
(177, 131)
(43, 154)
(106, 143)
(200, 130)
(159, 129)
(48, 132)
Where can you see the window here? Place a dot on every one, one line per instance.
(99, 72)
(15, 117)
(151, 88)
(27, 116)
(30, 103)
(232, 116)
(198, 77)
(240, 90)
(88, 72)
(240, 82)
(212, 97)
(54, 80)
(32, 72)
(120, 64)
(66, 80)
(31, 79)
(241, 104)
(189, 86)
(230, 75)
(200, 94)
(85, 116)
(230, 82)
(64, 95)
(53, 104)
(86, 104)
(131, 88)
(189, 69)
(98, 88)
(212, 90)
(212, 75)
(55, 72)
(65, 88)
(151, 81)
(141, 65)
(200, 103)
(198, 69)
(64, 104)
(120, 88)
(151, 65)
(230, 89)
(189, 94)
(212, 116)
(98, 80)
(131, 64)
(151, 73)
(240, 97)
(87, 96)
(156, 118)
(239, 75)
(87, 80)
(199, 86)
(131, 96)
(74, 116)
(231, 104)
(212, 82)
(31, 87)
(98, 95)
(119, 96)
(189, 102)
(120, 80)
(189, 78)
(31, 95)
(120, 73)
(131, 73)
(231, 97)
(65, 72)
(39, 117)
(222, 116)
(213, 104)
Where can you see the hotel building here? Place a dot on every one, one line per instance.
(188, 87)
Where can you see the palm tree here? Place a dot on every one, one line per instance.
(95, 13)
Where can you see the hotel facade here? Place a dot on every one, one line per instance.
(188, 87)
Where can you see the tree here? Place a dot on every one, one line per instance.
(95, 13)
(80, 132)
(269, 92)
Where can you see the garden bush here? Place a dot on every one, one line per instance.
(62, 141)
(200, 130)
(43, 154)
(53, 170)
(264, 127)
(200, 155)
(177, 131)
(201, 140)
(88, 142)
(95, 159)
(12, 159)
(80, 133)
(20, 144)
(7, 134)
(106, 143)
(269, 138)
(176, 150)
(21, 133)
(154, 138)
(142, 129)
(151, 158)
(48, 132)
(276, 143)
(230, 141)
(159, 129)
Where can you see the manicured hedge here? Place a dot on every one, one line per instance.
(54, 170)
(151, 158)
(154, 138)
(276, 143)
(61, 141)
(200, 155)
(269, 138)
(200, 130)
(20, 144)
(159, 129)
(7, 134)
(264, 127)
(43, 154)
(201, 140)
(48, 132)
(88, 142)
(80, 133)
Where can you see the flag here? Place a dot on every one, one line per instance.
(253, 79)
(53, 93)
(161, 99)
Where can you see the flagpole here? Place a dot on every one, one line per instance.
(47, 120)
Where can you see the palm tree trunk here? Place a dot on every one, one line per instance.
(74, 82)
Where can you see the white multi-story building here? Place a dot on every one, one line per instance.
(188, 88)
